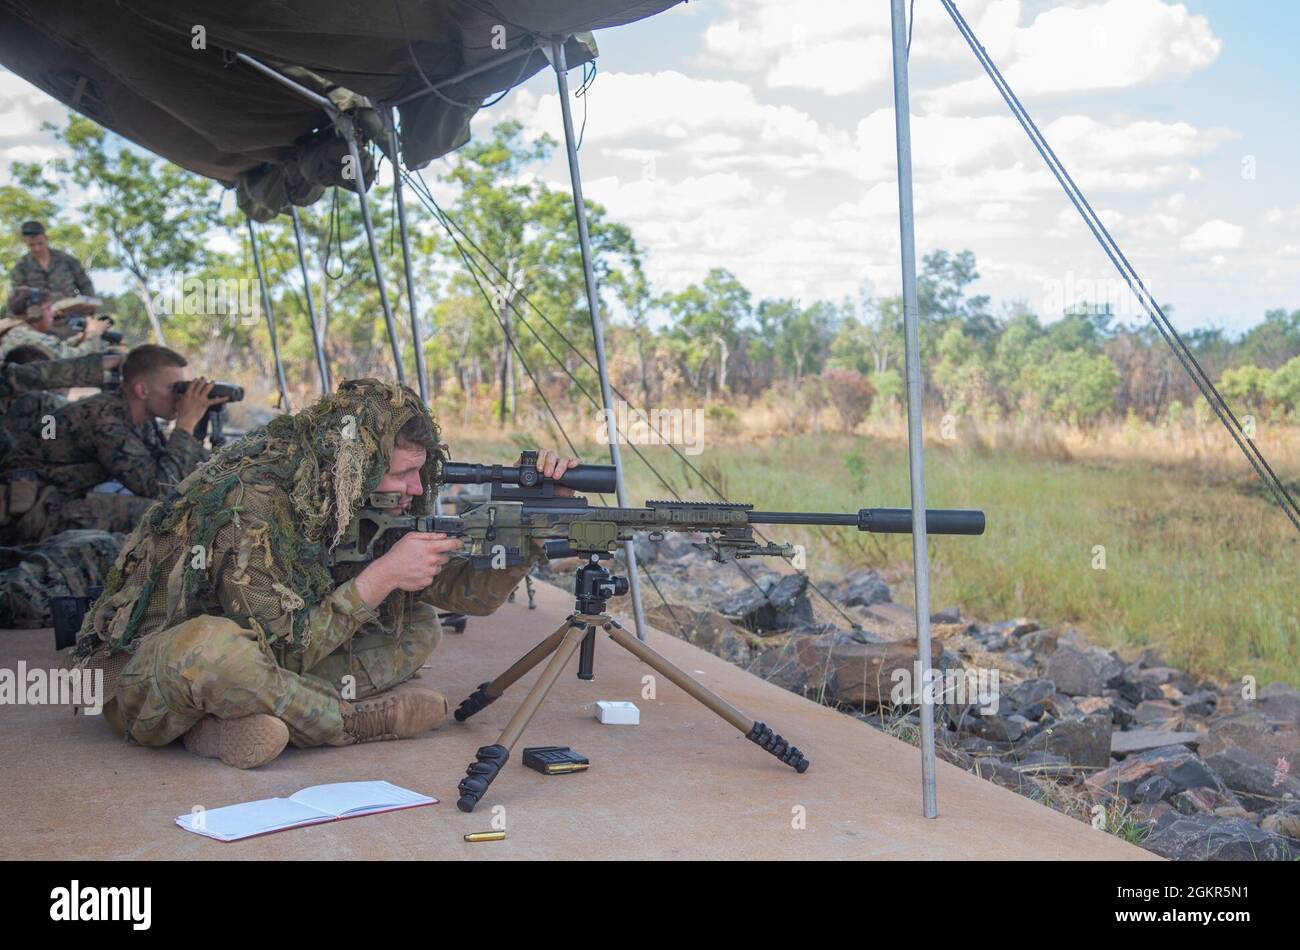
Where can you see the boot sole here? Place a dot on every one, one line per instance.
(244, 743)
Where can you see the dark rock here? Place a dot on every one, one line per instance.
(1280, 702)
(1205, 801)
(786, 666)
(1208, 838)
(1158, 713)
(1020, 658)
(997, 728)
(1178, 765)
(707, 629)
(1138, 691)
(1041, 763)
(1061, 706)
(1255, 756)
(1283, 821)
(1246, 772)
(782, 607)
(948, 615)
(862, 589)
(1029, 692)
(1041, 643)
(1074, 672)
(1002, 636)
(1143, 740)
(977, 746)
(1083, 742)
(999, 773)
(1199, 703)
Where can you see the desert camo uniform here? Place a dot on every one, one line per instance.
(256, 624)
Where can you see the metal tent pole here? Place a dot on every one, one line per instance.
(270, 321)
(915, 443)
(344, 124)
(593, 303)
(345, 127)
(317, 344)
(421, 375)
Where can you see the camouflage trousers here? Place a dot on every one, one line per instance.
(210, 666)
(66, 565)
(53, 513)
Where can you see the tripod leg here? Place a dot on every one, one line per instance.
(754, 731)
(491, 758)
(489, 692)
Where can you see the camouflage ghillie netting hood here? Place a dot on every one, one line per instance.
(324, 460)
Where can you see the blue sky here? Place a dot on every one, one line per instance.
(1161, 148)
(757, 135)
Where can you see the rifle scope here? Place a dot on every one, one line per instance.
(595, 479)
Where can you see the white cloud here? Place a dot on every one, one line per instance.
(844, 46)
(1215, 235)
(1118, 44)
(23, 109)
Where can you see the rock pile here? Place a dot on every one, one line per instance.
(1186, 768)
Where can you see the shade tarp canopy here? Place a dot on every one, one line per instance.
(162, 73)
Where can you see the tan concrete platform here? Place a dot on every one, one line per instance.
(683, 784)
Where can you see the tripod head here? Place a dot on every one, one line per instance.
(595, 586)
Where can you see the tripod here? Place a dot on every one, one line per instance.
(594, 587)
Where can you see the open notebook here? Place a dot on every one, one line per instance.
(311, 806)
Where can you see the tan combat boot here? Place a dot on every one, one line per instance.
(398, 713)
(245, 743)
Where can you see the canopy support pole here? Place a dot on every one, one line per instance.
(343, 123)
(421, 374)
(346, 129)
(471, 72)
(270, 321)
(915, 441)
(317, 343)
(593, 304)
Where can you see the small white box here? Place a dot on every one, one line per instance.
(617, 713)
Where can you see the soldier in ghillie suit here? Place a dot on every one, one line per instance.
(222, 623)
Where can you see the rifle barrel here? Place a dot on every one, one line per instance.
(883, 520)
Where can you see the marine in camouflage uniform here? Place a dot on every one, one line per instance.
(65, 277)
(96, 441)
(66, 565)
(21, 334)
(256, 625)
(19, 378)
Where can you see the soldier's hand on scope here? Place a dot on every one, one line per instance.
(410, 565)
(194, 403)
(552, 465)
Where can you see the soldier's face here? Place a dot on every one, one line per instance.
(403, 474)
(158, 391)
(37, 244)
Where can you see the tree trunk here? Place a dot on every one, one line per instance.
(146, 298)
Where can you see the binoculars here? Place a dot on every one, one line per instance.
(110, 336)
(229, 391)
